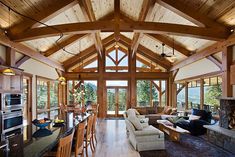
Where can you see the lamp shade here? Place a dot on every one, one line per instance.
(8, 72)
(62, 79)
(63, 83)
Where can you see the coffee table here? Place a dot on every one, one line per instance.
(168, 128)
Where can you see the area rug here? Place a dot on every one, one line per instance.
(188, 146)
(114, 118)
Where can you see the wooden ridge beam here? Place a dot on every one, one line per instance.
(22, 60)
(63, 43)
(29, 52)
(109, 26)
(147, 8)
(117, 19)
(53, 10)
(190, 14)
(210, 50)
(177, 46)
(217, 62)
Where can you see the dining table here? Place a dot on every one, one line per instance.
(38, 142)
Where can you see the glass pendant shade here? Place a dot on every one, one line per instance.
(8, 72)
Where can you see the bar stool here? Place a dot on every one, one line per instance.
(64, 147)
(88, 134)
(79, 146)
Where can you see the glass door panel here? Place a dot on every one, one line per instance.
(111, 101)
(122, 100)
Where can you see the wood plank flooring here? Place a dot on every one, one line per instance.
(112, 140)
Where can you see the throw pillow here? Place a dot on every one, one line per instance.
(193, 117)
(168, 111)
(165, 109)
(136, 122)
(136, 112)
(131, 112)
(174, 111)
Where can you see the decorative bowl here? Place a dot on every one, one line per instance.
(42, 125)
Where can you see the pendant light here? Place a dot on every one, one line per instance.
(8, 72)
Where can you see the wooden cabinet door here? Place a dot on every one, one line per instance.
(15, 84)
(16, 146)
(5, 82)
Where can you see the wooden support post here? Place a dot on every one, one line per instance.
(132, 70)
(226, 62)
(186, 96)
(201, 93)
(101, 87)
(160, 92)
(10, 57)
(174, 95)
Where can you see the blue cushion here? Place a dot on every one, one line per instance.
(204, 115)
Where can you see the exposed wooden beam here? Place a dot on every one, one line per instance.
(53, 10)
(148, 54)
(29, 52)
(109, 26)
(169, 42)
(79, 57)
(154, 57)
(10, 56)
(117, 19)
(210, 50)
(22, 60)
(89, 14)
(190, 14)
(217, 62)
(147, 8)
(62, 44)
(85, 63)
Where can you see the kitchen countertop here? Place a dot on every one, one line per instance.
(36, 147)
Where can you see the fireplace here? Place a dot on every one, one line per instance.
(227, 113)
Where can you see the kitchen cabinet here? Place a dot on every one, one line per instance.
(16, 146)
(11, 84)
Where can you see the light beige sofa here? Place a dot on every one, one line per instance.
(145, 138)
(150, 138)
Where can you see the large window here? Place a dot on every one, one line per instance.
(194, 94)
(212, 93)
(47, 98)
(82, 91)
(180, 97)
(151, 93)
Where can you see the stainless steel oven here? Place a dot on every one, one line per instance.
(11, 102)
(11, 121)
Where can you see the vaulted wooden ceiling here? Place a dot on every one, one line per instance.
(71, 31)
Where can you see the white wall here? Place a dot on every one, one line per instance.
(195, 69)
(37, 68)
(3, 52)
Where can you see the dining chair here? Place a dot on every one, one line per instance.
(94, 139)
(79, 145)
(64, 147)
(88, 134)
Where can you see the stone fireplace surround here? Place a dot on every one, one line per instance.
(223, 135)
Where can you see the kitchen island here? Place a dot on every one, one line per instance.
(37, 146)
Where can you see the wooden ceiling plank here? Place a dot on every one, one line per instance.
(177, 46)
(85, 64)
(63, 43)
(215, 61)
(22, 60)
(190, 14)
(53, 10)
(210, 50)
(117, 19)
(147, 8)
(108, 26)
(29, 52)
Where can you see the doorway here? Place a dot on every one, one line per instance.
(117, 98)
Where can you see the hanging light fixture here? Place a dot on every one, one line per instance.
(63, 83)
(61, 79)
(8, 72)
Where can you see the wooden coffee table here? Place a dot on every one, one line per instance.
(174, 133)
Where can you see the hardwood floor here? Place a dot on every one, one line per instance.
(112, 140)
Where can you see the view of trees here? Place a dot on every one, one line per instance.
(212, 95)
(42, 94)
(143, 88)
